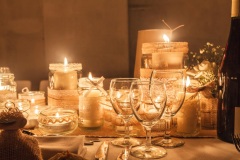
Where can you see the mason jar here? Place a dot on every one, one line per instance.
(7, 86)
(188, 119)
(90, 106)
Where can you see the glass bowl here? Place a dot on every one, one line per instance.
(58, 121)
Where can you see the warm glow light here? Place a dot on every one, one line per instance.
(1, 87)
(165, 38)
(36, 111)
(65, 64)
(65, 61)
(57, 115)
(32, 100)
(20, 107)
(188, 81)
(90, 76)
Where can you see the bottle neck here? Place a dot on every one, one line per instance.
(235, 8)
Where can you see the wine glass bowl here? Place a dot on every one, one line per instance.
(119, 98)
(175, 81)
(148, 101)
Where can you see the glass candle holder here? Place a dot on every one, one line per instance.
(35, 97)
(58, 121)
(90, 107)
(7, 86)
(188, 118)
(64, 77)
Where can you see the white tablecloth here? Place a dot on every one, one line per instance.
(193, 149)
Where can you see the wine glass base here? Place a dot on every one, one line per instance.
(121, 142)
(168, 143)
(151, 152)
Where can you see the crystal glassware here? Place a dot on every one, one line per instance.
(148, 101)
(119, 97)
(175, 81)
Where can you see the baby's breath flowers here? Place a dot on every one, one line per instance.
(203, 65)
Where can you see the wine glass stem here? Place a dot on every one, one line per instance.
(127, 132)
(148, 137)
(168, 126)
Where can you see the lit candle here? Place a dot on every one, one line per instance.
(65, 77)
(36, 110)
(1, 87)
(188, 121)
(166, 57)
(57, 115)
(90, 110)
(165, 38)
(58, 121)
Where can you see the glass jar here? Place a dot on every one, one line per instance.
(64, 77)
(90, 107)
(188, 118)
(58, 121)
(7, 86)
(35, 97)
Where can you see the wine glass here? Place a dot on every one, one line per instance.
(148, 101)
(175, 81)
(119, 97)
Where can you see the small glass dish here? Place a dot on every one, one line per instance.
(57, 121)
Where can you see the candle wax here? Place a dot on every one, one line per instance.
(90, 109)
(65, 80)
(188, 116)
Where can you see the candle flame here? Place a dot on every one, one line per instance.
(20, 107)
(188, 81)
(57, 115)
(90, 76)
(36, 111)
(65, 61)
(32, 100)
(165, 38)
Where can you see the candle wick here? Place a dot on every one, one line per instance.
(177, 27)
(166, 24)
(171, 28)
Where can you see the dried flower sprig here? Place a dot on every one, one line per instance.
(203, 65)
(209, 52)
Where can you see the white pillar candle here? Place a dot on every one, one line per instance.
(90, 109)
(64, 76)
(65, 80)
(188, 116)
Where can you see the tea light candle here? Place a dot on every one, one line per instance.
(90, 110)
(65, 76)
(32, 120)
(58, 121)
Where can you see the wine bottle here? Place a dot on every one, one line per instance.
(229, 81)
